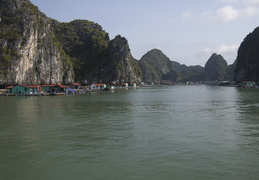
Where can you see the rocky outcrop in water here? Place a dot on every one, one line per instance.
(116, 65)
(84, 42)
(123, 67)
(35, 49)
(247, 63)
(157, 67)
(217, 69)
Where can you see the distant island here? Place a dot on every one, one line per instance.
(38, 50)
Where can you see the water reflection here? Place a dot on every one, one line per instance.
(249, 105)
(248, 109)
(164, 132)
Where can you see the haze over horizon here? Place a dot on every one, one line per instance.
(186, 31)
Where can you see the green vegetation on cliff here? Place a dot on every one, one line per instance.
(58, 52)
(38, 49)
(24, 36)
(85, 42)
(122, 67)
(216, 69)
(156, 67)
(13, 19)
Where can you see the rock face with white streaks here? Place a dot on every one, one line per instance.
(35, 49)
(28, 51)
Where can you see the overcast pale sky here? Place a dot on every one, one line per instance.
(187, 31)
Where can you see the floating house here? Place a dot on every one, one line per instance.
(26, 89)
(39, 89)
(9, 89)
(126, 85)
(47, 88)
(60, 88)
(96, 86)
(249, 83)
(133, 84)
(4, 91)
(75, 86)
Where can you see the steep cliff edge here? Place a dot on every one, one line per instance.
(86, 43)
(247, 67)
(95, 58)
(35, 49)
(123, 67)
(217, 69)
(28, 52)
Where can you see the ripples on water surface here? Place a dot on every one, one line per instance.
(163, 132)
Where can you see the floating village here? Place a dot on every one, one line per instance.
(59, 89)
(77, 88)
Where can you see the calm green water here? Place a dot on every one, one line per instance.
(151, 133)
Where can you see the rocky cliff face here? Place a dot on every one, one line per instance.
(216, 69)
(157, 67)
(116, 65)
(86, 43)
(35, 49)
(247, 67)
(28, 52)
(123, 67)
(232, 68)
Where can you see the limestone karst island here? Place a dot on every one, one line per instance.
(41, 55)
(76, 104)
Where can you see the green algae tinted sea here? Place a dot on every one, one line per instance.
(155, 132)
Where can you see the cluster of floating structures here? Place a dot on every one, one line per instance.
(246, 84)
(76, 88)
(58, 89)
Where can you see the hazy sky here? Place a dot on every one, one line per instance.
(187, 31)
